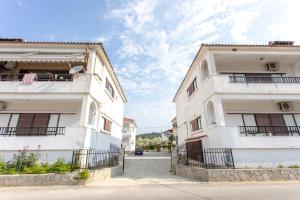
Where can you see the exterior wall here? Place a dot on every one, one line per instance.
(129, 136)
(238, 175)
(227, 97)
(72, 99)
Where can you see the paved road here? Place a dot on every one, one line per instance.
(157, 191)
(148, 177)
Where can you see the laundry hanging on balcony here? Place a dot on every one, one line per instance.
(28, 78)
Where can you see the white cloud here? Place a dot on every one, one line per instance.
(161, 38)
(287, 26)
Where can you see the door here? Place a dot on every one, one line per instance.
(40, 124)
(263, 123)
(194, 150)
(24, 124)
(278, 123)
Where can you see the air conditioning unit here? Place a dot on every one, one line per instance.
(273, 66)
(2, 105)
(286, 106)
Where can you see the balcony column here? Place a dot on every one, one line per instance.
(220, 115)
(211, 64)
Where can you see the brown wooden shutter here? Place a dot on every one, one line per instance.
(278, 120)
(263, 122)
(40, 123)
(24, 123)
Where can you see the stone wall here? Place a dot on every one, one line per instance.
(39, 179)
(238, 175)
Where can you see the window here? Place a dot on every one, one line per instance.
(33, 124)
(109, 88)
(196, 124)
(191, 89)
(107, 125)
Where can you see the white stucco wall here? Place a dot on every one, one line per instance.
(71, 99)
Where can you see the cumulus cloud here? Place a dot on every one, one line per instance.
(159, 40)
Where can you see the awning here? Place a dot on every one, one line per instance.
(193, 139)
(36, 56)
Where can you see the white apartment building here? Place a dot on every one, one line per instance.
(129, 134)
(243, 97)
(56, 97)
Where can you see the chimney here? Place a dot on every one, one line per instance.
(281, 43)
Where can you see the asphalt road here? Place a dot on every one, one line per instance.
(173, 191)
(148, 177)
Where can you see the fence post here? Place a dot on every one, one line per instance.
(122, 158)
(174, 159)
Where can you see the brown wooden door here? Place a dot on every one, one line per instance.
(194, 150)
(24, 124)
(40, 123)
(263, 122)
(279, 125)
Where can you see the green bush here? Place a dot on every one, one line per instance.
(24, 163)
(84, 175)
(35, 169)
(60, 167)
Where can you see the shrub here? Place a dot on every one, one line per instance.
(84, 175)
(35, 169)
(21, 161)
(60, 167)
(2, 167)
(294, 166)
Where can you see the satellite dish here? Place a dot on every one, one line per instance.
(76, 69)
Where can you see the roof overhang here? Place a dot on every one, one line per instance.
(38, 56)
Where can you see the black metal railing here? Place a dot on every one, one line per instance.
(94, 159)
(270, 130)
(263, 79)
(39, 77)
(208, 158)
(31, 131)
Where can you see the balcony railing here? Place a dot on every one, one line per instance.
(39, 77)
(270, 130)
(31, 131)
(263, 79)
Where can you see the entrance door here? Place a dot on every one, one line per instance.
(194, 150)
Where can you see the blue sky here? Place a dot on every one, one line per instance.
(151, 43)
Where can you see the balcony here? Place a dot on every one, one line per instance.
(39, 77)
(45, 83)
(253, 84)
(65, 139)
(270, 130)
(232, 137)
(31, 131)
(263, 79)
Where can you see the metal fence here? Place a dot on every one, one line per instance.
(94, 159)
(208, 158)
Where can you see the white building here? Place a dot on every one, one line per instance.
(243, 97)
(43, 107)
(129, 134)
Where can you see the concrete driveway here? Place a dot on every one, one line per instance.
(151, 165)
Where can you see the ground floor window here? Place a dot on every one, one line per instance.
(32, 123)
(196, 124)
(276, 123)
(107, 124)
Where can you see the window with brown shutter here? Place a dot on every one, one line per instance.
(192, 87)
(109, 88)
(24, 123)
(107, 125)
(196, 124)
(32, 124)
